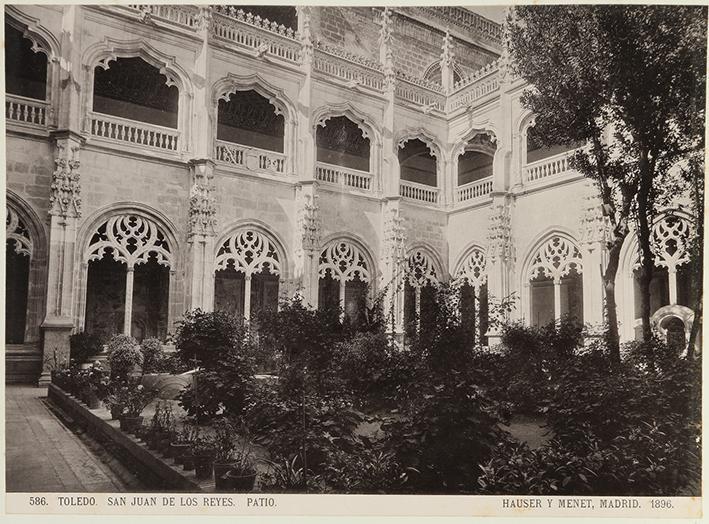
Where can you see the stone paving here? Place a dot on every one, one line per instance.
(42, 454)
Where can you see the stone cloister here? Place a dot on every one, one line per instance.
(162, 158)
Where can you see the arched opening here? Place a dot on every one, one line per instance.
(18, 256)
(474, 166)
(537, 150)
(249, 119)
(341, 142)
(675, 332)
(474, 312)
(433, 74)
(128, 278)
(247, 275)
(344, 276)
(283, 15)
(132, 88)
(417, 163)
(420, 284)
(25, 68)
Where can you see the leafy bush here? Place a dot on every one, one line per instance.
(152, 355)
(129, 398)
(368, 470)
(123, 355)
(84, 345)
(202, 338)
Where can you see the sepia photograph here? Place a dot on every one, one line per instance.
(279, 250)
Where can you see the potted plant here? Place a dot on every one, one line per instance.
(95, 385)
(136, 401)
(203, 457)
(234, 467)
(182, 443)
(124, 356)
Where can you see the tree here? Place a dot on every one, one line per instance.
(629, 82)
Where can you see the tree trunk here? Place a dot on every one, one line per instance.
(697, 259)
(644, 211)
(612, 336)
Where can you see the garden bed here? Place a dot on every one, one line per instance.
(134, 453)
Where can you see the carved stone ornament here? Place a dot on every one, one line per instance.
(65, 195)
(394, 237)
(669, 242)
(16, 232)
(309, 221)
(130, 239)
(203, 208)
(500, 234)
(420, 270)
(555, 259)
(594, 228)
(473, 271)
(343, 261)
(250, 252)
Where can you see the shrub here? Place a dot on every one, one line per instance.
(123, 355)
(129, 398)
(152, 355)
(202, 337)
(84, 345)
(367, 470)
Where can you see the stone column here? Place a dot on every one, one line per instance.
(392, 265)
(201, 237)
(500, 257)
(594, 231)
(447, 57)
(64, 213)
(307, 241)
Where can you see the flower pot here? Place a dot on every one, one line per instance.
(188, 460)
(220, 470)
(178, 450)
(164, 446)
(203, 465)
(91, 400)
(240, 481)
(129, 424)
(116, 412)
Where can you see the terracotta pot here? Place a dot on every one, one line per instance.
(91, 400)
(128, 424)
(239, 481)
(116, 412)
(178, 450)
(188, 460)
(203, 465)
(220, 471)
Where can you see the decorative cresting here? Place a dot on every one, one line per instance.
(420, 270)
(500, 234)
(473, 270)
(344, 261)
(555, 259)
(65, 190)
(250, 251)
(132, 240)
(16, 231)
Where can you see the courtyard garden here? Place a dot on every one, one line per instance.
(303, 401)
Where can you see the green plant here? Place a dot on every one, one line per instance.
(128, 397)
(366, 471)
(84, 345)
(163, 420)
(123, 355)
(285, 475)
(187, 434)
(203, 338)
(152, 355)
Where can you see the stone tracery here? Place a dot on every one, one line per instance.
(17, 232)
(343, 261)
(250, 251)
(473, 271)
(555, 259)
(420, 270)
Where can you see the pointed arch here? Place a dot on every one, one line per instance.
(472, 266)
(363, 120)
(421, 133)
(43, 40)
(232, 83)
(423, 266)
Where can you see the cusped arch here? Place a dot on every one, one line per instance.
(477, 139)
(345, 257)
(423, 266)
(233, 83)
(43, 40)
(251, 246)
(365, 122)
(471, 267)
(31, 238)
(422, 134)
(553, 255)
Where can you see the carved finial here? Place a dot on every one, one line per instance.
(204, 18)
(447, 57)
(306, 35)
(386, 55)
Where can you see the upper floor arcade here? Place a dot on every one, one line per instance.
(266, 92)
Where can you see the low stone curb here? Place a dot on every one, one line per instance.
(131, 451)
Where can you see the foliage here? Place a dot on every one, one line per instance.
(163, 420)
(232, 445)
(123, 355)
(368, 470)
(152, 354)
(129, 397)
(84, 345)
(187, 434)
(202, 338)
(285, 476)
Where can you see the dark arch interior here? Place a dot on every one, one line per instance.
(229, 288)
(417, 164)
(17, 274)
(340, 142)
(536, 150)
(473, 166)
(249, 119)
(151, 284)
(105, 296)
(134, 89)
(25, 70)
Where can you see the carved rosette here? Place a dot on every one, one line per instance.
(203, 208)
(65, 196)
(500, 234)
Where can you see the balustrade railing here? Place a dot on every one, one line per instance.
(474, 190)
(343, 176)
(418, 192)
(184, 15)
(547, 167)
(420, 92)
(261, 35)
(252, 158)
(122, 130)
(26, 110)
(474, 87)
(333, 61)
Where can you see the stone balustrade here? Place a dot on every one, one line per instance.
(124, 131)
(470, 89)
(334, 62)
(547, 167)
(418, 192)
(251, 158)
(26, 110)
(182, 15)
(423, 94)
(476, 190)
(343, 176)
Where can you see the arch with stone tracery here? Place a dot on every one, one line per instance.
(345, 272)
(553, 280)
(471, 279)
(19, 248)
(130, 263)
(247, 272)
(422, 274)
